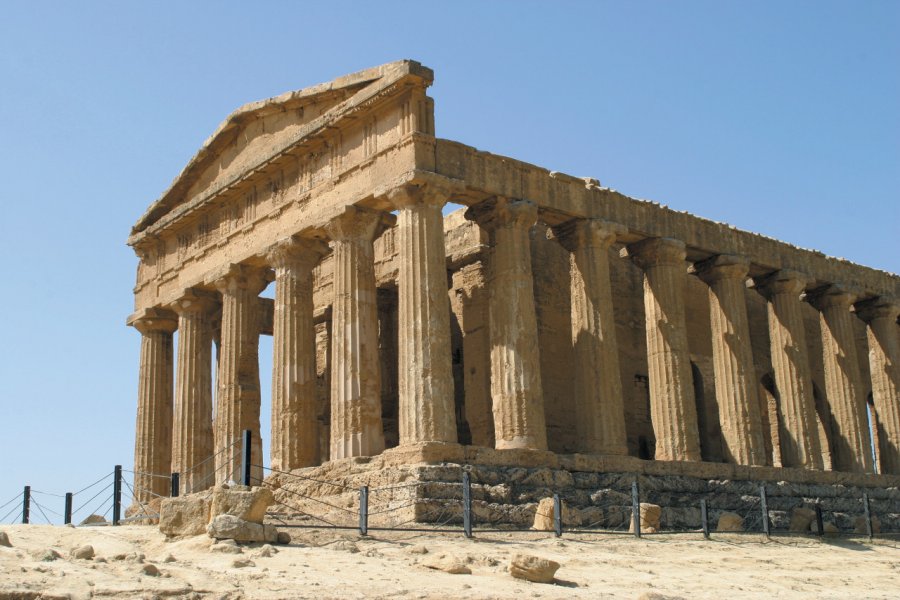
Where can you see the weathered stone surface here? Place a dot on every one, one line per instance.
(93, 520)
(650, 514)
(533, 568)
(545, 511)
(801, 518)
(241, 563)
(447, 563)
(48, 555)
(859, 525)
(241, 502)
(185, 515)
(150, 570)
(729, 521)
(4, 539)
(234, 528)
(85, 552)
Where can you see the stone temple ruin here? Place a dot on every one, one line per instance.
(549, 334)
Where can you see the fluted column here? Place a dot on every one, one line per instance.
(735, 376)
(673, 410)
(600, 418)
(237, 394)
(295, 435)
(192, 442)
(518, 400)
(799, 429)
(153, 429)
(356, 428)
(880, 314)
(843, 381)
(426, 403)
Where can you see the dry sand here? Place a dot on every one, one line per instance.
(340, 564)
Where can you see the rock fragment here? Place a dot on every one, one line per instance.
(533, 568)
(85, 552)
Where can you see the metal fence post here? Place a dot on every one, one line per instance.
(820, 525)
(704, 518)
(764, 508)
(26, 504)
(557, 515)
(247, 455)
(67, 515)
(868, 515)
(636, 508)
(117, 494)
(467, 505)
(364, 510)
(176, 485)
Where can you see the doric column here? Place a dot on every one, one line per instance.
(735, 376)
(884, 365)
(237, 394)
(153, 430)
(843, 385)
(356, 428)
(518, 400)
(426, 404)
(295, 435)
(799, 429)
(192, 441)
(600, 418)
(673, 410)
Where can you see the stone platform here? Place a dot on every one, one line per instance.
(422, 484)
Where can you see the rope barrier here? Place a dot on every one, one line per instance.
(334, 506)
(134, 498)
(92, 499)
(92, 485)
(50, 510)
(209, 458)
(142, 474)
(48, 494)
(338, 485)
(306, 514)
(13, 499)
(14, 509)
(33, 501)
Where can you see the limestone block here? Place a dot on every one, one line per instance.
(241, 502)
(448, 564)
(650, 514)
(859, 525)
(185, 515)
(729, 521)
(93, 520)
(4, 540)
(233, 528)
(543, 516)
(85, 552)
(801, 518)
(533, 568)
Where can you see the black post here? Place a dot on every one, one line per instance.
(364, 510)
(67, 516)
(467, 505)
(868, 515)
(557, 515)
(704, 518)
(820, 525)
(176, 484)
(636, 508)
(247, 455)
(117, 494)
(26, 504)
(764, 508)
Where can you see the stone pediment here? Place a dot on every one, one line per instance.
(259, 131)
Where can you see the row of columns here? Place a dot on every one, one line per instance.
(426, 410)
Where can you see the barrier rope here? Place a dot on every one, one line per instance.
(48, 494)
(14, 509)
(142, 474)
(92, 498)
(304, 478)
(92, 485)
(13, 499)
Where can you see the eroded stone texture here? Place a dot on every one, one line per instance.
(884, 365)
(736, 388)
(153, 431)
(295, 426)
(790, 362)
(515, 363)
(672, 405)
(843, 385)
(600, 414)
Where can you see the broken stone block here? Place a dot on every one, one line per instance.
(184, 515)
(533, 568)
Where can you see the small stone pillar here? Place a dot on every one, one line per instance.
(237, 396)
(843, 385)
(600, 418)
(193, 429)
(735, 376)
(153, 430)
(880, 314)
(356, 428)
(295, 429)
(672, 407)
(426, 402)
(518, 401)
(799, 431)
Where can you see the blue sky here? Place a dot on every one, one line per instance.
(780, 118)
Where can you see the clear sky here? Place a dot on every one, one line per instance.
(777, 117)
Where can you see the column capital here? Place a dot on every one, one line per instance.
(880, 307)
(784, 281)
(832, 295)
(432, 193)
(499, 212)
(151, 320)
(296, 252)
(593, 233)
(241, 276)
(193, 301)
(358, 223)
(653, 252)
(723, 266)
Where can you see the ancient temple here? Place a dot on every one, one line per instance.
(547, 315)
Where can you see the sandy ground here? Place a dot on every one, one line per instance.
(340, 564)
